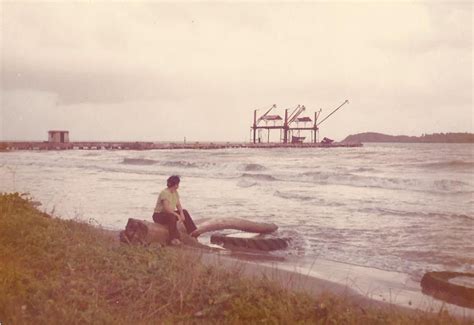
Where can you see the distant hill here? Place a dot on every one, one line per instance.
(425, 138)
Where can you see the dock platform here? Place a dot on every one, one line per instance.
(43, 145)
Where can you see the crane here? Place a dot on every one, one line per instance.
(266, 113)
(294, 115)
(334, 111)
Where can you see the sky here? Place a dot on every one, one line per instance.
(163, 71)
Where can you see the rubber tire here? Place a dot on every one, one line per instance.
(256, 243)
(437, 285)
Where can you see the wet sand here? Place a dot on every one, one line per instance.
(361, 285)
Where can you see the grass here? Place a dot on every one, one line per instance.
(56, 271)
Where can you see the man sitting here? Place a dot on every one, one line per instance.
(168, 211)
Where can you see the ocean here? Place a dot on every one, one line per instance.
(398, 207)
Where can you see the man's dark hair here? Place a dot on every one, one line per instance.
(173, 180)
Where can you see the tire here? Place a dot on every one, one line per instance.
(437, 285)
(256, 243)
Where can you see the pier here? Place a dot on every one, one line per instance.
(289, 129)
(95, 145)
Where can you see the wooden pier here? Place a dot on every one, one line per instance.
(43, 145)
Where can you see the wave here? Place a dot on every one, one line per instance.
(364, 169)
(301, 197)
(452, 216)
(180, 163)
(319, 175)
(453, 164)
(418, 214)
(253, 167)
(293, 196)
(167, 163)
(448, 185)
(348, 179)
(139, 161)
(99, 169)
(244, 183)
(92, 154)
(261, 177)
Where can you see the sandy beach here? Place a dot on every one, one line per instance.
(360, 285)
(363, 286)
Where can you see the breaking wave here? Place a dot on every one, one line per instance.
(293, 196)
(244, 183)
(261, 177)
(253, 167)
(364, 169)
(443, 185)
(453, 164)
(417, 214)
(139, 161)
(180, 163)
(167, 163)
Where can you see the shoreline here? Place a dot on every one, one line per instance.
(364, 286)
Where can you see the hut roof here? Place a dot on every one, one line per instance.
(272, 118)
(304, 119)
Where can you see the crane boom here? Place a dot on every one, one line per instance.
(293, 112)
(295, 116)
(266, 113)
(334, 111)
(316, 116)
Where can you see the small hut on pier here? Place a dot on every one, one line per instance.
(57, 136)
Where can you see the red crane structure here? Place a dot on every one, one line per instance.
(290, 125)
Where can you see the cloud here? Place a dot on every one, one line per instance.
(211, 64)
(88, 83)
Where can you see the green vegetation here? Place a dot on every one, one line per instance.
(56, 271)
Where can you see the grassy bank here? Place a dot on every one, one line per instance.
(57, 271)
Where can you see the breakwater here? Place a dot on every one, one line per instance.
(96, 145)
